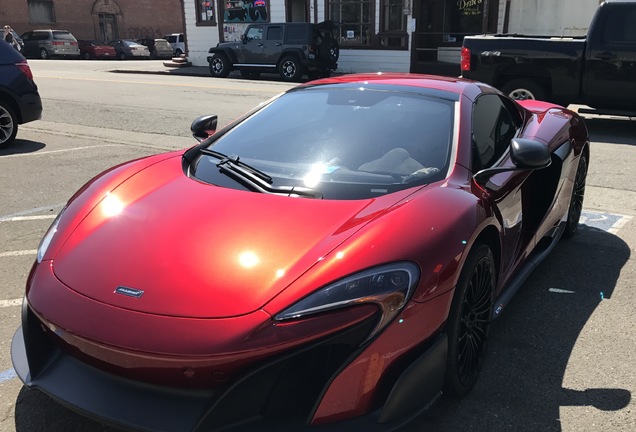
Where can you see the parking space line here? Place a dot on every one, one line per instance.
(619, 224)
(59, 151)
(32, 211)
(10, 303)
(7, 375)
(27, 218)
(18, 253)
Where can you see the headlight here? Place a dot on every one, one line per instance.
(46, 240)
(388, 286)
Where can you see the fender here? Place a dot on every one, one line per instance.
(229, 53)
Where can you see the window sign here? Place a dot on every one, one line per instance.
(205, 12)
(246, 11)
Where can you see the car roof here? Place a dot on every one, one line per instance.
(458, 86)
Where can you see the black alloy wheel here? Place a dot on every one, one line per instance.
(469, 321)
(8, 124)
(290, 69)
(219, 66)
(576, 202)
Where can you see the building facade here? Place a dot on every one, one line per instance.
(388, 35)
(96, 19)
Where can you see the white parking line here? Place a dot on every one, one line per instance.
(18, 253)
(27, 218)
(10, 303)
(619, 224)
(32, 211)
(60, 151)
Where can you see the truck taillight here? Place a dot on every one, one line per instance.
(465, 59)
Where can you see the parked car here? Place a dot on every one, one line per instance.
(596, 70)
(291, 49)
(127, 49)
(159, 48)
(45, 44)
(177, 41)
(336, 254)
(94, 49)
(19, 98)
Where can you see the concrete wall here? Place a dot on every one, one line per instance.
(551, 17)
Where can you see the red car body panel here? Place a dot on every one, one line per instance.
(222, 263)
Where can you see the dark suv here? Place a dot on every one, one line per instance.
(291, 49)
(19, 98)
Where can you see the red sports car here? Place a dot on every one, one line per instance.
(335, 255)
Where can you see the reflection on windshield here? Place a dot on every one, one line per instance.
(347, 143)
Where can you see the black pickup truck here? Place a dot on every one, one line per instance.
(598, 70)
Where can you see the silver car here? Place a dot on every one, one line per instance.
(45, 44)
(127, 49)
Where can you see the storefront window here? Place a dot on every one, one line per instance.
(205, 12)
(356, 20)
(246, 11)
(464, 16)
(393, 24)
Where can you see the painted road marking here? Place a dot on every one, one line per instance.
(27, 218)
(60, 151)
(10, 303)
(609, 222)
(18, 253)
(7, 375)
(49, 207)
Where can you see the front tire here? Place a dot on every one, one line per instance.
(8, 124)
(86, 56)
(219, 66)
(290, 69)
(122, 56)
(576, 202)
(524, 89)
(469, 321)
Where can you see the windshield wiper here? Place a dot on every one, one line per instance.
(235, 161)
(255, 179)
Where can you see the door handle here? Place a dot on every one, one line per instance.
(278, 44)
(259, 44)
(606, 56)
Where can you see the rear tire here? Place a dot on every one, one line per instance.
(290, 69)
(524, 89)
(576, 202)
(122, 56)
(219, 66)
(8, 124)
(469, 321)
(86, 56)
(44, 54)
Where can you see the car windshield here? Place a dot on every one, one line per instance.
(346, 143)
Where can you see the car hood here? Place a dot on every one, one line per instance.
(166, 244)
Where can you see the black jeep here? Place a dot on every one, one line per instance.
(291, 49)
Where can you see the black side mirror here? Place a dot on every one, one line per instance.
(204, 126)
(526, 154)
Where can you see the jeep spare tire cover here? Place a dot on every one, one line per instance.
(328, 50)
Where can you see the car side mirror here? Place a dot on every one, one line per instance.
(204, 126)
(244, 38)
(526, 154)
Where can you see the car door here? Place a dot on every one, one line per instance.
(273, 44)
(252, 48)
(494, 124)
(610, 65)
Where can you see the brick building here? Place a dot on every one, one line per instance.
(96, 19)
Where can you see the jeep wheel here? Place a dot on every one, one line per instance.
(290, 69)
(219, 66)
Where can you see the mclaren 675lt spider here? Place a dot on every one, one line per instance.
(332, 260)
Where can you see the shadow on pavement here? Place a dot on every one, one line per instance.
(615, 130)
(20, 146)
(521, 386)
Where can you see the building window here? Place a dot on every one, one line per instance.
(246, 11)
(41, 12)
(356, 18)
(393, 24)
(205, 12)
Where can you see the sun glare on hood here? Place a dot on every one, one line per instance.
(112, 206)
